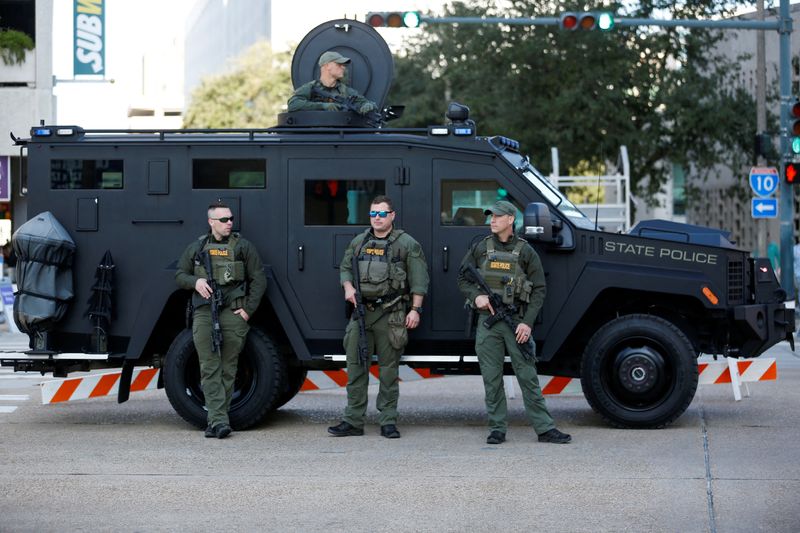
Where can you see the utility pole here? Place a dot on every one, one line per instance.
(761, 115)
(787, 189)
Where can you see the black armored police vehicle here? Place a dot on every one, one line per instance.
(112, 211)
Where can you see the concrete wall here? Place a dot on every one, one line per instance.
(26, 91)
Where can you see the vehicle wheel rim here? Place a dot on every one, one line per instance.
(638, 375)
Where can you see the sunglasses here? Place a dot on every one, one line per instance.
(382, 214)
(224, 220)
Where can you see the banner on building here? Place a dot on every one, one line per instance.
(5, 178)
(90, 50)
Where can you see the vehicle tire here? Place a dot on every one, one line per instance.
(639, 371)
(260, 378)
(296, 376)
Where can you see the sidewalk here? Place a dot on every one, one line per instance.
(12, 342)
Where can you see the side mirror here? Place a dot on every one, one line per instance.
(538, 226)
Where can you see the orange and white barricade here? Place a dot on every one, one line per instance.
(734, 371)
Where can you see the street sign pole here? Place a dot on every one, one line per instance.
(787, 190)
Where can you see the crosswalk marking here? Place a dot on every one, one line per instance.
(14, 397)
(7, 408)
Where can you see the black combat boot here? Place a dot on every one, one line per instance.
(345, 430)
(222, 430)
(390, 431)
(496, 437)
(555, 436)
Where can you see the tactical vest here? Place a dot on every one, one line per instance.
(381, 267)
(504, 273)
(227, 271)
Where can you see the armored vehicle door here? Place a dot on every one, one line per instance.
(461, 190)
(329, 199)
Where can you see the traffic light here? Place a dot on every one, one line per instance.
(764, 147)
(794, 118)
(588, 20)
(393, 19)
(792, 173)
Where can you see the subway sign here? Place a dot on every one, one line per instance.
(89, 50)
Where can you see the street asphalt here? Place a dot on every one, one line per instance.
(95, 465)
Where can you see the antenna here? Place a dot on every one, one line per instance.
(597, 192)
(597, 202)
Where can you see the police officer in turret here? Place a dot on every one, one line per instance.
(238, 271)
(513, 270)
(393, 278)
(332, 68)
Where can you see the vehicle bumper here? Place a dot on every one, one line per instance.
(761, 326)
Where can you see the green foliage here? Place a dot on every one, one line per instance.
(589, 194)
(13, 45)
(250, 96)
(665, 93)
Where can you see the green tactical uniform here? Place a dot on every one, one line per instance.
(390, 270)
(240, 274)
(303, 100)
(514, 271)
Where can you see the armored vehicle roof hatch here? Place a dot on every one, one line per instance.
(369, 72)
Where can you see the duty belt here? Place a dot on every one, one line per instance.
(373, 304)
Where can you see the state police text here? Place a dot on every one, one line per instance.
(675, 254)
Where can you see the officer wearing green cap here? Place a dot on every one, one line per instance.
(332, 67)
(393, 278)
(513, 270)
(238, 271)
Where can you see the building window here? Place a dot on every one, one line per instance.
(86, 174)
(19, 15)
(340, 202)
(464, 201)
(229, 173)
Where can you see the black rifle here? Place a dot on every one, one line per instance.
(374, 119)
(361, 313)
(216, 305)
(502, 311)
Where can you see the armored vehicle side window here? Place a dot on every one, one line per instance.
(86, 173)
(338, 202)
(229, 173)
(463, 202)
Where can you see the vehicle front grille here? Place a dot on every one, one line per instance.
(735, 282)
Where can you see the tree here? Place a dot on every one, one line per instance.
(250, 96)
(659, 91)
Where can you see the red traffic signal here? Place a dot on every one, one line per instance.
(792, 173)
(795, 118)
(569, 21)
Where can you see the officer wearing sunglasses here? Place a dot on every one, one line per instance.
(393, 277)
(237, 270)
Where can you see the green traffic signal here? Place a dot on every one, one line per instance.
(796, 145)
(411, 19)
(605, 21)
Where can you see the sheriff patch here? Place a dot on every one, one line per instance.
(499, 265)
(375, 251)
(218, 253)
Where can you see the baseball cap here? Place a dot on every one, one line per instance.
(330, 55)
(501, 207)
